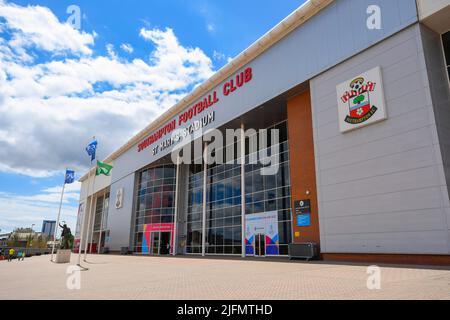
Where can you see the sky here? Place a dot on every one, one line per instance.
(108, 74)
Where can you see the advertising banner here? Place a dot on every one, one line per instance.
(265, 224)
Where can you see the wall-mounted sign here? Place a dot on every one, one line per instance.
(361, 101)
(119, 198)
(303, 212)
(304, 220)
(302, 206)
(184, 120)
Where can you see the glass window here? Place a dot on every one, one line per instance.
(220, 236)
(272, 192)
(224, 190)
(154, 198)
(195, 210)
(237, 232)
(224, 219)
(101, 211)
(446, 44)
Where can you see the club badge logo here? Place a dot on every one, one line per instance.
(358, 100)
(361, 101)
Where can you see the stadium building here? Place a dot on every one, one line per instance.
(359, 93)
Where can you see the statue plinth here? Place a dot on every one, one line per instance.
(63, 256)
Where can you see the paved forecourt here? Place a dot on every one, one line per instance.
(133, 277)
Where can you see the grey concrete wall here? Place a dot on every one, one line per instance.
(119, 220)
(382, 188)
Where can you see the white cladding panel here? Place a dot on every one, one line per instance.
(119, 220)
(382, 188)
(88, 186)
(430, 7)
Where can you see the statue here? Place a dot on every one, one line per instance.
(66, 235)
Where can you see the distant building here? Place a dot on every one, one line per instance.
(48, 228)
(4, 240)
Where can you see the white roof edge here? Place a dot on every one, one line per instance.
(281, 30)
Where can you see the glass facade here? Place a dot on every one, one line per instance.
(155, 201)
(223, 207)
(195, 209)
(263, 193)
(270, 193)
(101, 212)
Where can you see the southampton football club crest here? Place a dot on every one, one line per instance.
(358, 99)
(361, 101)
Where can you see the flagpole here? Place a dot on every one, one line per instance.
(102, 218)
(84, 216)
(84, 221)
(59, 215)
(91, 232)
(89, 221)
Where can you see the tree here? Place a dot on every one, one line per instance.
(23, 230)
(30, 238)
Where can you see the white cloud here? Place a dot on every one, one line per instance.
(111, 52)
(50, 110)
(210, 13)
(128, 48)
(219, 56)
(175, 60)
(210, 27)
(22, 211)
(36, 26)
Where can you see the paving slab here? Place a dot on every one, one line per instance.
(134, 277)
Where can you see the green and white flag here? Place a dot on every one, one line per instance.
(103, 168)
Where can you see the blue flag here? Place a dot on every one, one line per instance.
(70, 177)
(91, 148)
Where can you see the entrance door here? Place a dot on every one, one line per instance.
(165, 243)
(155, 243)
(260, 245)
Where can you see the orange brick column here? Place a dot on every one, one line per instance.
(302, 163)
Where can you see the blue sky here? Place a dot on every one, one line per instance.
(130, 61)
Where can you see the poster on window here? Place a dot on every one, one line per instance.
(262, 224)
